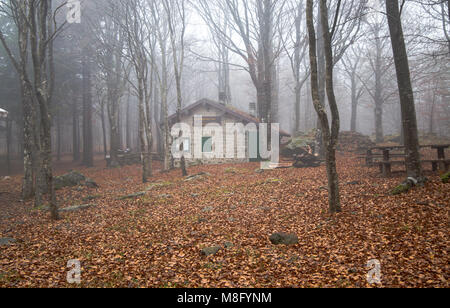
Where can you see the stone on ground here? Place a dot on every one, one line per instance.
(210, 251)
(73, 179)
(197, 176)
(5, 241)
(284, 239)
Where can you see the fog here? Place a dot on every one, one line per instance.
(215, 54)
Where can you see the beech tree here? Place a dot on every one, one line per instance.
(409, 119)
(136, 26)
(330, 134)
(176, 19)
(18, 12)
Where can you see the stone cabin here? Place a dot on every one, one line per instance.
(217, 113)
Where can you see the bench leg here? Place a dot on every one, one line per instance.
(443, 166)
(435, 166)
(387, 170)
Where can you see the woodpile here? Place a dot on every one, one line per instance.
(306, 160)
(354, 142)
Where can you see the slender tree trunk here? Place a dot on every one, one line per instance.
(353, 124)
(58, 135)
(128, 120)
(431, 123)
(354, 106)
(331, 144)
(29, 145)
(409, 119)
(142, 133)
(75, 132)
(105, 142)
(114, 136)
(8, 145)
(88, 145)
(330, 137)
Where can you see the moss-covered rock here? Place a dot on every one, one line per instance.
(210, 251)
(300, 144)
(69, 180)
(446, 178)
(401, 189)
(284, 239)
(73, 179)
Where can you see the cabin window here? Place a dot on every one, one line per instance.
(207, 144)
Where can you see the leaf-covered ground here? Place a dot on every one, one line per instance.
(155, 240)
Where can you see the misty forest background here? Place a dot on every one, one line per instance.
(74, 90)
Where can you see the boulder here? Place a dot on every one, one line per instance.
(91, 183)
(207, 209)
(210, 251)
(73, 179)
(6, 241)
(300, 144)
(228, 245)
(284, 239)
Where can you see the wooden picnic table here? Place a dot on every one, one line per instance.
(386, 164)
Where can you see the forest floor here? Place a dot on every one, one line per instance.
(155, 239)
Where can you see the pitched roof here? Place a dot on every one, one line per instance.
(237, 113)
(3, 113)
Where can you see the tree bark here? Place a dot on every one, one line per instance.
(409, 119)
(330, 135)
(8, 145)
(75, 132)
(88, 143)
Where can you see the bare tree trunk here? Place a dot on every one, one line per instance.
(330, 137)
(8, 145)
(58, 135)
(378, 108)
(103, 119)
(178, 58)
(75, 132)
(40, 20)
(322, 92)
(114, 133)
(128, 120)
(88, 143)
(20, 15)
(433, 106)
(165, 109)
(142, 132)
(29, 145)
(409, 119)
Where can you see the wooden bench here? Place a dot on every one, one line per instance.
(386, 163)
(386, 166)
(374, 158)
(438, 164)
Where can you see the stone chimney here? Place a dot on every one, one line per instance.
(252, 109)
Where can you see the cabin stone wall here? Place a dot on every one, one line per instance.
(225, 119)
